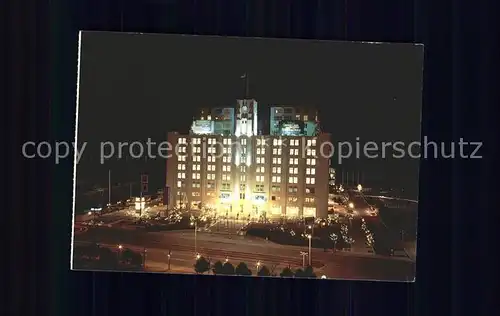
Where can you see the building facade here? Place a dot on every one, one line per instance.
(246, 175)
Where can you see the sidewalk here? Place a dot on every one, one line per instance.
(162, 267)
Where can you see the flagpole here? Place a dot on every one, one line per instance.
(247, 86)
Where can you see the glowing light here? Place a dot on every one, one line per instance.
(351, 205)
(323, 276)
(140, 203)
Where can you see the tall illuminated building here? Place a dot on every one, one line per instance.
(246, 175)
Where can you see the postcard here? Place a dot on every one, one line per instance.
(247, 156)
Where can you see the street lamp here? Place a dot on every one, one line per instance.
(120, 248)
(195, 224)
(351, 205)
(310, 240)
(304, 255)
(227, 259)
(360, 188)
(323, 276)
(145, 251)
(168, 256)
(333, 238)
(198, 256)
(258, 266)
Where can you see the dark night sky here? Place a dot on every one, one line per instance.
(135, 86)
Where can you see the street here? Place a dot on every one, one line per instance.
(250, 250)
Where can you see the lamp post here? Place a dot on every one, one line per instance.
(310, 239)
(258, 266)
(168, 259)
(304, 255)
(120, 248)
(195, 224)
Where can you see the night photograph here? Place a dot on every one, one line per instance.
(247, 156)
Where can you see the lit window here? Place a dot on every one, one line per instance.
(244, 141)
(259, 178)
(243, 168)
(306, 118)
(276, 179)
(313, 171)
(292, 179)
(196, 176)
(181, 175)
(196, 141)
(179, 184)
(277, 151)
(211, 176)
(275, 142)
(182, 141)
(258, 141)
(310, 180)
(243, 178)
(181, 158)
(226, 177)
(313, 162)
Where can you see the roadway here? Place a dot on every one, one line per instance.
(246, 249)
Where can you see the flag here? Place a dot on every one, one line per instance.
(243, 76)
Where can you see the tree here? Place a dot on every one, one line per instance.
(201, 265)
(309, 272)
(287, 273)
(242, 269)
(127, 256)
(299, 273)
(217, 268)
(264, 271)
(228, 269)
(108, 259)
